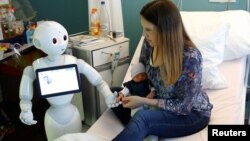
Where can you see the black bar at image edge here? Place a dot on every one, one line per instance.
(241, 132)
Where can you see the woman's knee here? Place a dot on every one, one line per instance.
(141, 116)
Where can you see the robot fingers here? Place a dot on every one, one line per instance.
(28, 121)
(27, 117)
(32, 122)
(114, 104)
(111, 101)
(115, 93)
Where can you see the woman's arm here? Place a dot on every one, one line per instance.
(137, 101)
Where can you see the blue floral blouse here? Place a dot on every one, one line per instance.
(187, 93)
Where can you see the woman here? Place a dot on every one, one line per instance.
(173, 64)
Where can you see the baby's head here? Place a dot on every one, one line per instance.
(138, 72)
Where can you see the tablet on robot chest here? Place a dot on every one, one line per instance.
(58, 80)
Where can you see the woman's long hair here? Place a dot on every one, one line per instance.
(172, 38)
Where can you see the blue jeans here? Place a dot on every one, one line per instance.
(161, 123)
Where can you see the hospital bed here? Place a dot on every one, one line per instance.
(224, 41)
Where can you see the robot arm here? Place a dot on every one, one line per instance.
(26, 95)
(95, 79)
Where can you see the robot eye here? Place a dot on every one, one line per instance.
(64, 37)
(54, 40)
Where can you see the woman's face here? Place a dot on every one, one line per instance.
(149, 31)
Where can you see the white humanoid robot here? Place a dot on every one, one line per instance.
(62, 117)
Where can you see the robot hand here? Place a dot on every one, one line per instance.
(111, 100)
(26, 116)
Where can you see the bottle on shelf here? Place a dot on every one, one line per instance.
(30, 31)
(104, 19)
(95, 27)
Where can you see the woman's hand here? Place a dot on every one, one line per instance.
(133, 101)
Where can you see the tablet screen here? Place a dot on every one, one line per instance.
(59, 80)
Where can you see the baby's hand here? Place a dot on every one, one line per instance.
(119, 97)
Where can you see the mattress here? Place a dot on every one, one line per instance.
(229, 104)
(229, 107)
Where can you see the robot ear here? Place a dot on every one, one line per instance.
(36, 43)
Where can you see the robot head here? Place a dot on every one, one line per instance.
(50, 37)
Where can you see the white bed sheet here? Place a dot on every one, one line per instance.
(229, 107)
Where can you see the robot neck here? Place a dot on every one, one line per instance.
(53, 58)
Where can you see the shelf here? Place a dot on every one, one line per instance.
(11, 53)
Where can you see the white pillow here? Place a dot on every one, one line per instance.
(212, 50)
(210, 38)
(238, 42)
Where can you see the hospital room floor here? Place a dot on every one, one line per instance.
(85, 128)
(23, 132)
